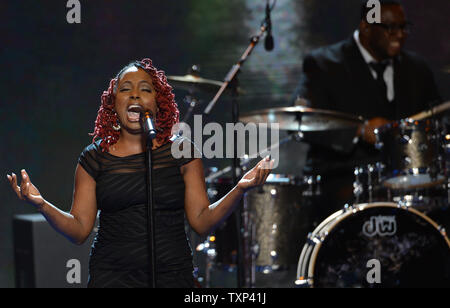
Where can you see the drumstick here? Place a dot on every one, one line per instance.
(428, 113)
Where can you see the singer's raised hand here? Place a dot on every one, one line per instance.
(26, 191)
(256, 176)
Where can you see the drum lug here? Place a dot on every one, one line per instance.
(379, 145)
(348, 207)
(403, 204)
(255, 250)
(442, 230)
(314, 240)
(303, 282)
(405, 140)
(407, 160)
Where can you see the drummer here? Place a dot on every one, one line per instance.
(369, 74)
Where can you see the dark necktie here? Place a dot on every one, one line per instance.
(379, 68)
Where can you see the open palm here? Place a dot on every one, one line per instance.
(26, 191)
(257, 175)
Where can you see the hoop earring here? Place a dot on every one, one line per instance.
(116, 126)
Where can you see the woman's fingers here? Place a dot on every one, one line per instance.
(258, 175)
(268, 170)
(26, 191)
(262, 162)
(17, 187)
(23, 184)
(23, 190)
(264, 170)
(13, 181)
(27, 185)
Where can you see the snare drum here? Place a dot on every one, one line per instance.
(369, 186)
(376, 245)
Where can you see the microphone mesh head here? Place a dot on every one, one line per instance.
(269, 43)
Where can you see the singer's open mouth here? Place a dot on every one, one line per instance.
(133, 113)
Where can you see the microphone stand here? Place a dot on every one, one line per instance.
(243, 279)
(149, 135)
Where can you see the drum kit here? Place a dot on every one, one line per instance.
(393, 235)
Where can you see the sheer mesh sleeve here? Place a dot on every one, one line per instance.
(89, 161)
(187, 149)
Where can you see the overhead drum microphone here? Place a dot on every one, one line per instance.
(268, 42)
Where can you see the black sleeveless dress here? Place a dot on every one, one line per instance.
(120, 252)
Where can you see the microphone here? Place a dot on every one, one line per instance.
(268, 42)
(147, 125)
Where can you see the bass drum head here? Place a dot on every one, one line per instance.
(380, 245)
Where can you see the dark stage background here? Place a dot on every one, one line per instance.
(53, 73)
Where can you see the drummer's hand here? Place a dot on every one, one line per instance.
(27, 191)
(366, 131)
(256, 176)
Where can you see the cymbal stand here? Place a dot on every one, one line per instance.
(190, 99)
(192, 102)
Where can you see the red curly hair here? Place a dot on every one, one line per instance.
(166, 117)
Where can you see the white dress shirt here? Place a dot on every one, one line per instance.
(388, 73)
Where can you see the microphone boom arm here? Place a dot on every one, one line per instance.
(235, 68)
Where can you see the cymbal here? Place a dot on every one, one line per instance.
(194, 83)
(305, 119)
(428, 113)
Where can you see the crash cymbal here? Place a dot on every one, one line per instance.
(428, 113)
(305, 119)
(194, 83)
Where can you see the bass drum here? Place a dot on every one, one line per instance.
(376, 245)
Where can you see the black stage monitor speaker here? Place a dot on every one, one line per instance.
(46, 259)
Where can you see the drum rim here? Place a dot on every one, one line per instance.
(308, 247)
(440, 180)
(284, 179)
(333, 223)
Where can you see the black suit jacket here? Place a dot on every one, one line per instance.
(337, 78)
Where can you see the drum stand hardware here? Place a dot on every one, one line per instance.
(313, 183)
(191, 101)
(251, 247)
(208, 247)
